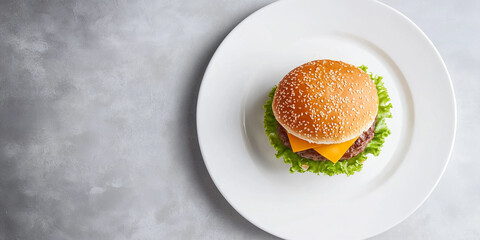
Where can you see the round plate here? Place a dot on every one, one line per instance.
(267, 45)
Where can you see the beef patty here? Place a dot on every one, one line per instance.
(357, 147)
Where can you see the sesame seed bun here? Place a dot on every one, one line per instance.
(326, 102)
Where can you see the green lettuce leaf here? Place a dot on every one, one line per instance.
(347, 166)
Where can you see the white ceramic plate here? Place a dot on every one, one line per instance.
(267, 45)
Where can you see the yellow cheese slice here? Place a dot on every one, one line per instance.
(332, 152)
(299, 144)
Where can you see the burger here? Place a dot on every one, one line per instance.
(325, 116)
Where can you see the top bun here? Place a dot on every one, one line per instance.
(326, 102)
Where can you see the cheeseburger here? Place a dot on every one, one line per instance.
(324, 114)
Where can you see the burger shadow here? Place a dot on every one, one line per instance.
(217, 203)
(256, 140)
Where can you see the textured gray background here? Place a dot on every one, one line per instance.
(97, 131)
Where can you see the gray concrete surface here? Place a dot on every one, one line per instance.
(97, 130)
